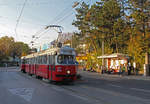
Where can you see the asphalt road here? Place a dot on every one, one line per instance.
(19, 88)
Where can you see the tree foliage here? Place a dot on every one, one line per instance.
(124, 26)
(10, 48)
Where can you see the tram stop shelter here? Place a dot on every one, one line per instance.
(113, 62)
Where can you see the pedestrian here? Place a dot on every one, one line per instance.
(120, 70)
(129, 67)
(134, 68)
(84, 68)
(129, 71)
(123, 69)
(5, 64)
(136, 71)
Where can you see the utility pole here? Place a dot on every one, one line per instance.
(103, 54)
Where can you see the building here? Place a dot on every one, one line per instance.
(114, 61)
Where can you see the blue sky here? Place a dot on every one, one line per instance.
(36, 14)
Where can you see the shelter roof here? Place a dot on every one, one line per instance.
(114, 55)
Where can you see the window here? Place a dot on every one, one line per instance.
(44, 59)
(51, 59)
(23, 61)
(66, 59)
(38, 60)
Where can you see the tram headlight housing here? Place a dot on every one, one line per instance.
(68, 72)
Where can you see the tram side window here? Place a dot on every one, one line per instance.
(23, 61)
(40, 60)
(51, 59)
(26, 61)
(44, 59)
(35, 60)
(31, 60)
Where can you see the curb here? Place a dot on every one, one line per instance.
(134, 77)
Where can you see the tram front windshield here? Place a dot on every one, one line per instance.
(66, 59)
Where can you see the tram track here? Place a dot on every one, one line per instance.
(87, 93)
(91, 98)
(68, 90)
(104, 100)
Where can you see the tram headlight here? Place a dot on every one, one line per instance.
(68, 71)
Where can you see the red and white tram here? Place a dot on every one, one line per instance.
(55, 64)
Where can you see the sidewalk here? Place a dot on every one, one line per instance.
(6, 69)
(11, 67)
(98, 75)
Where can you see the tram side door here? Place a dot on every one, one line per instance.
(51, 67)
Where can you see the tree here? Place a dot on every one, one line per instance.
(6, 46)
(140, 36)
(10, 48)
(124, 26)
(20, 49)
(80, 22)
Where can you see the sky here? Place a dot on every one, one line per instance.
(36, 15)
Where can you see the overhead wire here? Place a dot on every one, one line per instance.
(56, 18)
(21, 4)
(69, 14)
(40, 36)
(18, 20)
(62, 18)
(63, 11)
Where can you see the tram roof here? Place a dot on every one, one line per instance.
(52, 51)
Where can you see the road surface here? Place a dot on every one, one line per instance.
(19, 88)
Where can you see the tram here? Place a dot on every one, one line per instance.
(55, 64)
